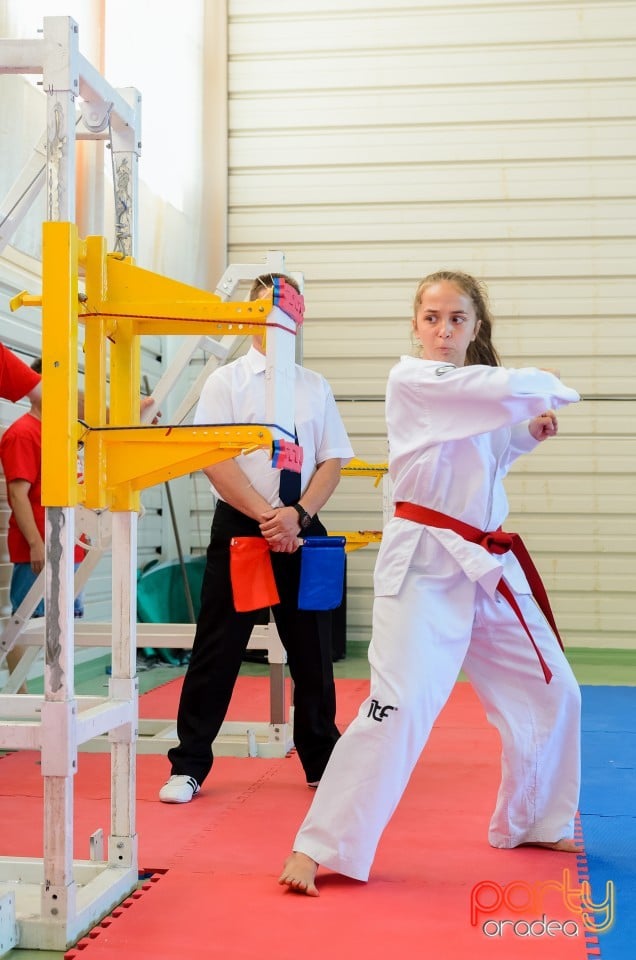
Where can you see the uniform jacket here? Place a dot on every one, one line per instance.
(453, 433)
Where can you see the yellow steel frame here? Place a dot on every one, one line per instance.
(134, 458)
(360, 468)
(121, 303)
(59, 365)
(357, 538)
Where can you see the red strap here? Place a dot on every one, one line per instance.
(497, 542)
(507, 593)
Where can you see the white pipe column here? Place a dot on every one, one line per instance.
(60, 77)
(59, 714)
(125, 146)
(59, 755)
(124, 685)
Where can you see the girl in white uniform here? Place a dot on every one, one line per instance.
(456, 421)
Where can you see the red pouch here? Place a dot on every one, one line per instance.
(253, 584)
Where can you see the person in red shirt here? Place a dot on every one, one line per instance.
(21, 454)
(17, 380)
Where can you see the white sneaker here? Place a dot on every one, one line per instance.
(179, 789)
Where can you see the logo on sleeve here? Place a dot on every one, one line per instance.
(446, 368)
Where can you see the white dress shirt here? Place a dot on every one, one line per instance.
(235, 394)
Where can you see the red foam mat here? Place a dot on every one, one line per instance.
(216, 893)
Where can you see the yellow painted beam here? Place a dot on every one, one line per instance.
(360, 468)
(95, 358)
(127, 281)
(162, 318)
(154, 304)
(95, 334)
(59, 364)
(355, 539)
(136, 458)
(25, 299)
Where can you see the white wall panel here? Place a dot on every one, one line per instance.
(376, 141)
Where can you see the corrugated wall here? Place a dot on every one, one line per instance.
(374, 142)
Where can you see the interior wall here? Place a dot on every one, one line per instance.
(375, 142)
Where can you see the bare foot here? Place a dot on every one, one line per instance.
(299, 873)
(566, 845)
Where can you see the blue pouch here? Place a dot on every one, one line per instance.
(322, 573)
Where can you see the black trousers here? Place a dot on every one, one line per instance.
(220, 641)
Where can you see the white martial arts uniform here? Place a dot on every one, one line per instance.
(453, 433)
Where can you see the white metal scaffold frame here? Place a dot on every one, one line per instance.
(57, 899)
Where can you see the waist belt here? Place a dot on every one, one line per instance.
(497, 542)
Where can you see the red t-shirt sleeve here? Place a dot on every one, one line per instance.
(20, 457)
(16, 379)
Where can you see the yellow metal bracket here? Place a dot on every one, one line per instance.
(360, 468)
(139, 302)
(355, 539)
(24, 299)
(121, 303)
(134, 458)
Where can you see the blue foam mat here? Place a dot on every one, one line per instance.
(608, 809)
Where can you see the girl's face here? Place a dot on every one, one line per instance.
(445, 323)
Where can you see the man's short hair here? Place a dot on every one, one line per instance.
(265, 282)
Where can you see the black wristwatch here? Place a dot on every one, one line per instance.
(304, 518)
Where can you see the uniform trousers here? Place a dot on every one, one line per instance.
(219, 645)
(421, 638)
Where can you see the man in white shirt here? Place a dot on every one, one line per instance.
(250, 505)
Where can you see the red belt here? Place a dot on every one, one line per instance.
(498, 542)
